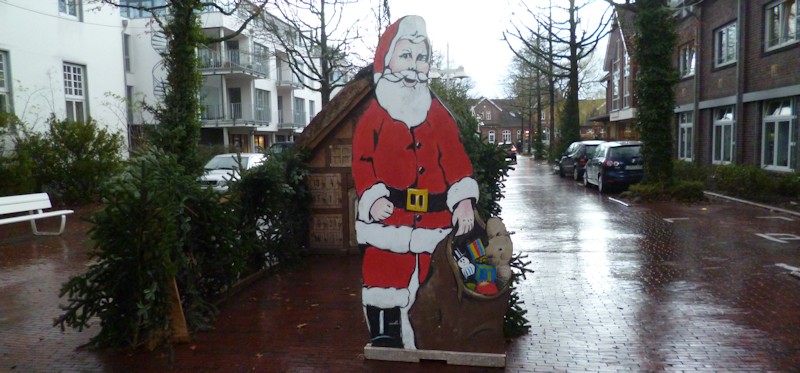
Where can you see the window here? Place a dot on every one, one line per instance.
(490, 137)
(781, 23)
(506, 136)
(129, 103)
(487, 115)
(141, 4)
(685, 124)
(779, 136)
(615, 79)
(5, 84)
(312, 108)
(723, 146)
(519, 135)
(261, 59)
(687, 61)
(725, 45)
(70, 8)
(626, 84)
(299, 111)
(75, 92)
(263, 112)
(126, 52)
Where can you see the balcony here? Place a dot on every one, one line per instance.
(235, 115)
(212, 62)
(286, 79)
(297, 119)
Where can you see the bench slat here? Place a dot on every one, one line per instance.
(25, 202)
(48, 214)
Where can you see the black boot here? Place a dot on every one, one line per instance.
(386, 333)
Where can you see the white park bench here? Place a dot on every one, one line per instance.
(33, 204)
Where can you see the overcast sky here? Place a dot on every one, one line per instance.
(473, 30)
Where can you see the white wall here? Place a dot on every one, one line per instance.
(39, 40)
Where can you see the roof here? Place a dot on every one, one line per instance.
(624, 24)
(490, 101)
(337, 110)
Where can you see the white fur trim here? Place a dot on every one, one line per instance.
(461, 190)
(368, 198)
(408, 331)
(385, 297)
(386, 237)
(425, 240)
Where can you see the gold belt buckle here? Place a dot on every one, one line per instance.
(417, 200)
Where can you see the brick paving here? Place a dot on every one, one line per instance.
(616, 289)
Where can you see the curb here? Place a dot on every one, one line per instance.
(768, 207)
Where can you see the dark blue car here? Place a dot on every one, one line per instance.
(615, 165)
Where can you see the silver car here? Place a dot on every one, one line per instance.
(221, 169)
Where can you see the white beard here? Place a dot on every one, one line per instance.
(409, 105)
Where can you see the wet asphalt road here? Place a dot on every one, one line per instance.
(643, 288)
(651, 287)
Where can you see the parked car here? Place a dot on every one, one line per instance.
(511, 151)
(280, 147)
(573, 160)
(615, 165)
(222, 168)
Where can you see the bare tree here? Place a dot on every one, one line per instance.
(564, 49)
(316, 42)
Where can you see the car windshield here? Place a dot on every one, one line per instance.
(590, 149)
(225, 163)
(624, 153)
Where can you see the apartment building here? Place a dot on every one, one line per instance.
(740, 105)
(250, 99)
(62, 57)
(737, 97)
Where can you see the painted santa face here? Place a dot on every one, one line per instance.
(403, 88)
(410, 57)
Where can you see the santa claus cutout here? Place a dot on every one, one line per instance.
(413, 178)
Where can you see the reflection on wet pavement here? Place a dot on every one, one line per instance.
(620, 288)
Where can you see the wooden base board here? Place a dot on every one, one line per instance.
(476, 359)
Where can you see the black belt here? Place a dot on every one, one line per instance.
(436, 202)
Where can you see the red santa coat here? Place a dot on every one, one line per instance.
(388, 156)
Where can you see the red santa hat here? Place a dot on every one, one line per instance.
(408, 27)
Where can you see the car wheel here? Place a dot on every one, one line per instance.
(602, 188)
(576, 174)
(586, 181)
(560, 170)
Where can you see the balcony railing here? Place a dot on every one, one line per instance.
(287, 79)
(297, 120)
(233, 61)
(237, 111)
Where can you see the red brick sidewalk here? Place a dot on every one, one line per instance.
(307, 321)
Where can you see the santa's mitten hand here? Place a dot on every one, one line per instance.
(381, 209)
(463, 217)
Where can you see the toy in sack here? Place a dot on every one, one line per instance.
(477, 273)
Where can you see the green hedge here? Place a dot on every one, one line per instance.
(71, 160)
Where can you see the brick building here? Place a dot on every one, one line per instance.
(503, 121)
(737, 98)
(740, 105)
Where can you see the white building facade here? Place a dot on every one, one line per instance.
(77, 59)
(62, 57)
